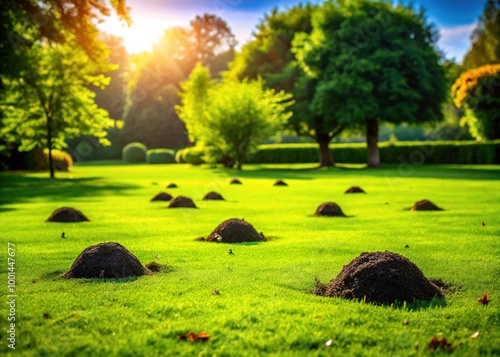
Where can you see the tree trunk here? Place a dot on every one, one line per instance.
(49, 145)
(325, 156)
(371, 143)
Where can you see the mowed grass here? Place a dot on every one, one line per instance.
(264, 306)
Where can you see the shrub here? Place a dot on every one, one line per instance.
(134, 153)
(180, 157)
(193, 155)
(160, 156)
(39, 160)
(440, 152)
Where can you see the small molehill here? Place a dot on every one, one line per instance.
(382, 278)
(425, 205)
(172, 185)
(329, 209)
(162, 196)
(280, 183)
(106, 260)
(235, 181)
(67, 214)
(213, 196)
(154, 267)
(181, 201)
(235, 230)
(355, 189)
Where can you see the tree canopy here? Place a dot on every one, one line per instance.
(50, 101)
(372, 61)
(476, 92)
(269, 56)
(149, 116)
(231, 118)
(485, 39)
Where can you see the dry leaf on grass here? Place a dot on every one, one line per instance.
(191, 336)
(484, 299)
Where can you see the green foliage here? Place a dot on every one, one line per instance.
(134, 153)
(485, 39)
(180, 157)
(405, 153)
(51, 101)
(193, 155)
(160, 156)
(475, 91)
(154, 83)
(229, 119)
(372, 60)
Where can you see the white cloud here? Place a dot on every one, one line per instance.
(455, 40)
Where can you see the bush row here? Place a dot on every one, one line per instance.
(138, 153)
(440, 152)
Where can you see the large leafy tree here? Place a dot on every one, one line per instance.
(269, 56)
(476, 92)
(372, 61)
(149, 116)
(26, 23)
(485, 39)
(51, 20)
(231, 118)
(49, 101)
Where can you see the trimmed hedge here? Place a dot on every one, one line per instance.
(193, 155)
(415, 153)
(134, 153)
(61, 160)
(160, 156)
(179, 156)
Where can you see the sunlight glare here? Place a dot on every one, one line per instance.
(140, 36)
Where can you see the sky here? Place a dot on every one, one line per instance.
(455, 19)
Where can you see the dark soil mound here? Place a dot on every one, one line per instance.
(280, 183)
(425, 205)
(162, 196)
(154, 267)
(329, 209)
(213, 196)
(235, 230)
(67, 214)
(106, 260)
(355, 189)
(381, 277)
(172, 185)
(181, 201)
(235, 181)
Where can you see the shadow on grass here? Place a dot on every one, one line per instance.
(19, 188)
(311, 171)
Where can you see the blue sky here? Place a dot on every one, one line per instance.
(455, 19)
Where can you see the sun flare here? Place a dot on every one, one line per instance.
(140, 36)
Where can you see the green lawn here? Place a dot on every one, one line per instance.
(264, 306)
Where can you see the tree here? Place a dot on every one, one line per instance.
(231, 118)
(24, 23)
(485, 39)
(50, 20)
(269, 56)
(475, 92)
(372, 61)
(50, 102)
(149, 116)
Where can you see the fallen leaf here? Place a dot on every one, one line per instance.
(439, 342)
(475, 334)
(484, 299)
(191, 336)
(215, 292)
